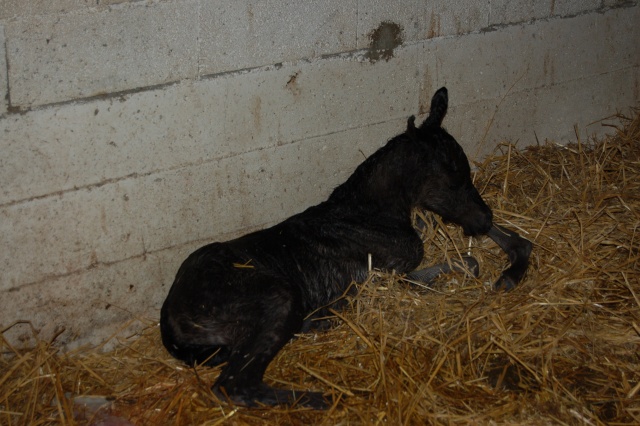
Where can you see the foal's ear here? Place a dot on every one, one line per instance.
(438, 110)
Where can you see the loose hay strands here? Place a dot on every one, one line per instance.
(562, 348)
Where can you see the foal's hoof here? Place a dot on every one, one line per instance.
(505, 283)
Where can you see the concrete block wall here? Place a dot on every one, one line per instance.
(132, 132)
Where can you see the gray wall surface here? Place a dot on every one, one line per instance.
(132, 132)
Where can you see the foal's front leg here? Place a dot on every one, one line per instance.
(518, 249)
(465, 264)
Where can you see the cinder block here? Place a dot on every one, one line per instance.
(454, 17)
(313, 99)
(548, 113)
(56, 58)
(494, 64)
(92, 305)
(250, 33)
(562, 106)
(617, 22)
(504, 12)
(79, 145)
(587, 45)
(60, 235)
(574, 7)
(476, 67)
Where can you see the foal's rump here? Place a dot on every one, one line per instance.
(209, 310)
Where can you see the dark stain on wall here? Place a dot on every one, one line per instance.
(384, 40)
(292, 84)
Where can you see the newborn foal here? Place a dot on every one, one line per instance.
(241, 301)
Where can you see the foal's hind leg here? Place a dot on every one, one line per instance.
(241, 380)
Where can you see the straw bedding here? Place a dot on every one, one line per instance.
(562, 348)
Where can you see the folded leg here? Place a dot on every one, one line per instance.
(427, 275)
(241, 379)
(518, 249)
